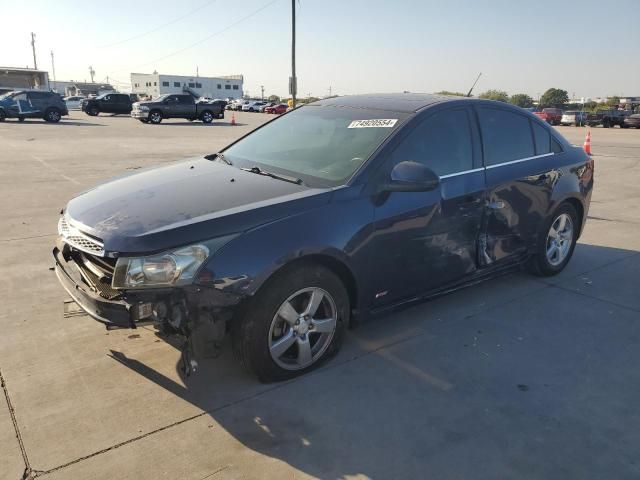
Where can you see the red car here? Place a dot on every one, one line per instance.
(277, 109)
(553, 116)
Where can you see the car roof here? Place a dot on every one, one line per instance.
(399, 102)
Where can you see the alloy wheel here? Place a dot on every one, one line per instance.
(559, 239)
(302, 328)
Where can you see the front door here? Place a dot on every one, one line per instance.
(426, 240)
(519, 181)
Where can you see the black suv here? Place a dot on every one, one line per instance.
(107, 103)
(23, 104)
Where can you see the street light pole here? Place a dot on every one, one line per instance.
(293, 83)
(53, 69)
(33, 48)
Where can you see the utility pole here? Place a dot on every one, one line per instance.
(92, 72)
(329, 90)
(197, 71)
(293, 81)
(107, 79)
(33, 48)
(53, 69)
(262, 92)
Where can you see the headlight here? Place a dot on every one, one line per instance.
(177, 267)
(142, 108)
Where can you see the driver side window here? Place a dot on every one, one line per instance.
(441, 141)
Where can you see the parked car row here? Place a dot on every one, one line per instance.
(606, 117)
(260, 106)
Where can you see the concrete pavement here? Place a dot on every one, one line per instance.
(516, 377)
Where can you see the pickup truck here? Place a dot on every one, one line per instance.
(552, 116)
(607, 118)
(175, 106)
(114, 103)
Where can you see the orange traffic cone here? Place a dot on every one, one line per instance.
(233, 118)
(587, 143)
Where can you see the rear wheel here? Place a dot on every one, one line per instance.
(52, 115)
(206, 117)
(556, 242)
(93, 111)
(293, 324)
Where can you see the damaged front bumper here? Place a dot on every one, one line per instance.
(111, 312)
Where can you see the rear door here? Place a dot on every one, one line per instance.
(520, 179)
(425, 240)
(39, 101)
(186, 106)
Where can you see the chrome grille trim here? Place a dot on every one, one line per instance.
(78, 239)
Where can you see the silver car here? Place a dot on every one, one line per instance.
(579, 119)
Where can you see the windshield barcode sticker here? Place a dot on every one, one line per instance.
(374, 123)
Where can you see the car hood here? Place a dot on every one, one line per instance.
(183, 203)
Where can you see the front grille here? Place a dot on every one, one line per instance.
(97, 272)
(78, 239)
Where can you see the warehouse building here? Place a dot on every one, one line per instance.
(155, 84)
(15, 78)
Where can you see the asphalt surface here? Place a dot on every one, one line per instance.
(518, 377)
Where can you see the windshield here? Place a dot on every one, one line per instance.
(6, 95)
(161, 98)
(323, 146)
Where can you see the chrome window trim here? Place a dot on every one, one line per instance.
(474, 170)
(464, 172)
(519, 160)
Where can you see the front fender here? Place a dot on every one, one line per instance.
(338, 231)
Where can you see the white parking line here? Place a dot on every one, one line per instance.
(53, 169)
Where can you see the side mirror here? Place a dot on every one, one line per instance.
(411, 177)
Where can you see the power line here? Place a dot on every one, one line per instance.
(175, 20)
(219, 32)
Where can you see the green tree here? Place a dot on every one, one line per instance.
(554, 97)
(448, 93)
(613, 101)
(499, 95)
(522, 100)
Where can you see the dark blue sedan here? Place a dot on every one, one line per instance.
(344, 208)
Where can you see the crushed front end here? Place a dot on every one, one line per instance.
(197, 313)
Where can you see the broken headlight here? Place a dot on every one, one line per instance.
(176, 267)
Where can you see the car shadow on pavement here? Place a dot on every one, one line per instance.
(195, 123)
(488, 377)
(61, 122)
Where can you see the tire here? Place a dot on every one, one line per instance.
(93, 111)
(257, 333)
(206, 117)
(155, 117)
(606, 124)
(52, 115)
(544, 264)
(3, 116)
(21, 118)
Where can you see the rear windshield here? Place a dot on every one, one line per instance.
(324, 146)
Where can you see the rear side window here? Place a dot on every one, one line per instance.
(506, 136)
(442, 142)
(542, 137)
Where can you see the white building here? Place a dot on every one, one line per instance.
(154, 84)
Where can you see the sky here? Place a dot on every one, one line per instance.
(591, 48)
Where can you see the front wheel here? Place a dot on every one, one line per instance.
(93, 111)
(293, 324)
(155, 117)
(556, 242)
